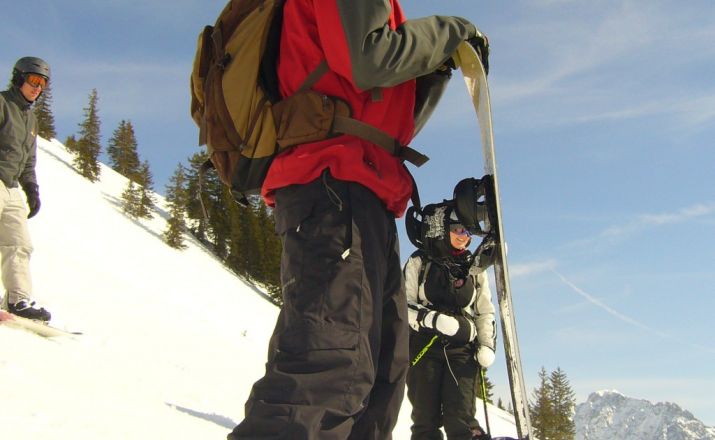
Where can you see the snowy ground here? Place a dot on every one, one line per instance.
(172, 340)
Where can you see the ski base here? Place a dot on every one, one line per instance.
(39, 328)
(475, 79)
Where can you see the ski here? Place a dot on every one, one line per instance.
(39, 328)
(477, 86)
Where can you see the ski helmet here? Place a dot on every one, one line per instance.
(428, 228)
(26, 65)
(471, 204)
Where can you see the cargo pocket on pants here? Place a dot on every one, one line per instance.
(321, 289)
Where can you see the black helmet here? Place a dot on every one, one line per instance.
(26, 65)
(472, 208)
(428, 228)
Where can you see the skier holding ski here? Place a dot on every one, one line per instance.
(18, 146)
(338, 357)
(451, 315)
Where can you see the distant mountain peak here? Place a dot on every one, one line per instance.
(606, 393)
(608, 415)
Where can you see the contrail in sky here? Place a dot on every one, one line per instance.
(627, 319)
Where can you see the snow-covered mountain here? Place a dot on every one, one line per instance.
(172, 340)
(609, 415)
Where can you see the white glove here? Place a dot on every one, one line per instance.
(412, 319)
(459, 328)
(485, 356)
(446, 324)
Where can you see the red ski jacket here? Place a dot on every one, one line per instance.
(375, 58)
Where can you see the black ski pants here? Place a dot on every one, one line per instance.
(338, 356)
(442, 390)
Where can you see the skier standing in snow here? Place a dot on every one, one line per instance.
(18, 146)
(338, 357)
(453, 334)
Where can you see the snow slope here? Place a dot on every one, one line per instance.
(172, 340)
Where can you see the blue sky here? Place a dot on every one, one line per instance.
(604, 115)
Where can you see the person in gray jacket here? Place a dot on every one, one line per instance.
(18, 147)
(453, 334)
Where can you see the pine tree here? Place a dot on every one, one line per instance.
(219, 204)
(196, 197)
(122, 151)
(270, 263)
(246, 250)
(147, 204)
(242, 237)
(88, 147)
(131, 199)
(71, 144)
(542, 411)
(177, 199)
(43, 113)
(563, 400)
(553, 408)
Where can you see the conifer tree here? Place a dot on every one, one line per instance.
(542, 410)
(122, 151)
(563, 401)
(194, 211)
(242, 237)
(255, 243)
(43, 113)
(71, 144)
(240, 240)
(270, 263)
(147, 204)
(553, 408)
(131, 199)
(218, 202)
(177, 199)
(88, 147)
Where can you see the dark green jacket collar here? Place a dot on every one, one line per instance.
(16, 96)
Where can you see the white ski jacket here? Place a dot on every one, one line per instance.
(428, 302)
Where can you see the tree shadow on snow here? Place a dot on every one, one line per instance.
(218, 419)
(117, 204)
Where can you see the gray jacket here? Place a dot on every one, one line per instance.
(18, 139)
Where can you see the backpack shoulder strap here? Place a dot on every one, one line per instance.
(347, 125)
(314, 76)
(424, 268)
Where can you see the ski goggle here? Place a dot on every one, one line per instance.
(36, 80)
(459, 230)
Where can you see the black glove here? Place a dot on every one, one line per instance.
(446, 68)
(480, 43)
(32, 191)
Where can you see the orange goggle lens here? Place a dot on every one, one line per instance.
(36, 80)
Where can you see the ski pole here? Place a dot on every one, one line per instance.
(423, 351)
(484, 400)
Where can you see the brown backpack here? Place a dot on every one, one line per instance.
(236, 103)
